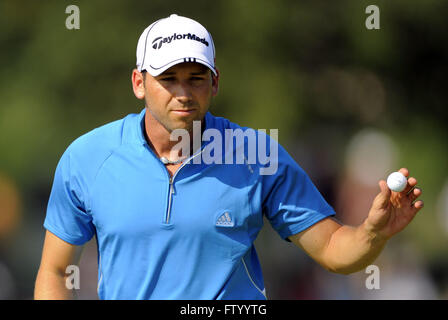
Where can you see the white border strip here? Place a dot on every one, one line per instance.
(101, 278)
(263, 292)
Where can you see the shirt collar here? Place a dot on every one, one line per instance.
(209, 123)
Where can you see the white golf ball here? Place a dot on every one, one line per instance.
(396, 181)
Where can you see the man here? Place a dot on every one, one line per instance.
(171, 227)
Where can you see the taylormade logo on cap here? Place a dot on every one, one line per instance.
(188, 36)
(174, 40)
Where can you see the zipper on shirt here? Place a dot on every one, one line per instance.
(170, 198)
(171, 186)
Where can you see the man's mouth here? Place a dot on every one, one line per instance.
(184, 111)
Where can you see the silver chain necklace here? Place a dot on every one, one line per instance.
(167, 161)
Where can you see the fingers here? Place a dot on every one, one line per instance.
(416, 207)
(414, 194)
(411, 191)
(409, 195)
(404, 171)
(412, 182)
(382, 199)
(383, 187)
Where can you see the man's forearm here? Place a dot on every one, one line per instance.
(51, 285)
(352, 249)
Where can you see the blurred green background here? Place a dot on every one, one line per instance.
(351, 105)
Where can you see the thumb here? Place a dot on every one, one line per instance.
(382, 199)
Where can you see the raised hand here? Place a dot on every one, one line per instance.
(392, 211)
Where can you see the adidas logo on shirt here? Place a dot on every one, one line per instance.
(225, 220)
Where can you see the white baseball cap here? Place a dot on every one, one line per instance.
(174, 40)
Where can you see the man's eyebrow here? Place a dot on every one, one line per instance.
(168, 73)
(201, 72)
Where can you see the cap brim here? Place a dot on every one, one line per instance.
(195, 58)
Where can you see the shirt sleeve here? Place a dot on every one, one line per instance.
(67, 217)
(292, 203)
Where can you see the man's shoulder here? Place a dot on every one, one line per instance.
(260, 147)
(222, 124)
(104, 136)
(97, 144)
(233, 129)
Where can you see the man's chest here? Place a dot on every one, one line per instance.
(216, 204)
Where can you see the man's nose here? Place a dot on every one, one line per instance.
(183, 92)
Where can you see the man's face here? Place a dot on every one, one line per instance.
(180, 95)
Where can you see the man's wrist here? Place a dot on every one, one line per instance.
(373, 235)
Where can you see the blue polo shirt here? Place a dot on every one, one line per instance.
(187, 237)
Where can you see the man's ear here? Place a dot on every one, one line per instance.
(215, 82)
(138, 83)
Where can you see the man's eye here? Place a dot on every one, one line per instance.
(168, 79)
(197, 78)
